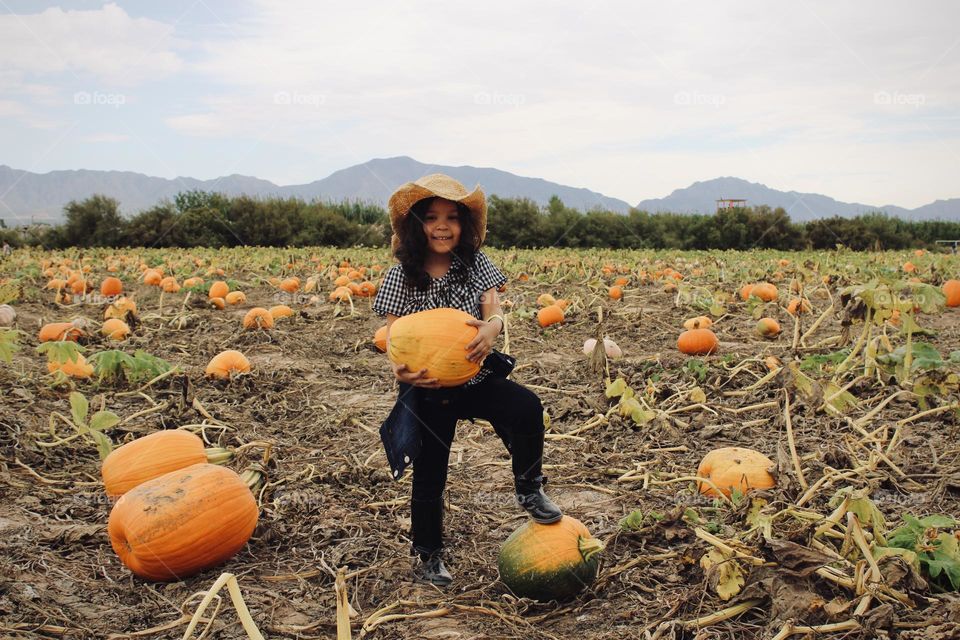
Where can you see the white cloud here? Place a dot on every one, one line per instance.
(105, 137)
(105, 43)
(601, 87)
(631, 99)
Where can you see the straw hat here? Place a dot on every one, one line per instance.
(442, 186)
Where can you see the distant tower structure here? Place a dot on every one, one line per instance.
(731, 203)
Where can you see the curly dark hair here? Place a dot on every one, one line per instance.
(412, 250)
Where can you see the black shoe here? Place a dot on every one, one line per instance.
(428, 569)
(527, 452)
(531, 497)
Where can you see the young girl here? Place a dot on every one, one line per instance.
(438, 228)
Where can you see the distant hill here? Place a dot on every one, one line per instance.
(41, 197)
(701, 197)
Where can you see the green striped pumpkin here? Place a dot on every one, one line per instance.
(549, 561)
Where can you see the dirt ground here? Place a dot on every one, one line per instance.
(319, 391)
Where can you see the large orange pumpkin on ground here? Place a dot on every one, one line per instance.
(735, 468)
(149, 457)
(182, 522)
(434, 340)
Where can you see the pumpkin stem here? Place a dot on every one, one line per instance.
(254, 477)
(218, 455)
(589, 547)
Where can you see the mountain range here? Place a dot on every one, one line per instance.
(27, 197)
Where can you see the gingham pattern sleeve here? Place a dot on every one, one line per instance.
(486, 275)
(392, 293)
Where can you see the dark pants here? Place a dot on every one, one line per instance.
(517, 417)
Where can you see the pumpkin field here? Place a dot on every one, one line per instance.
(825, 388)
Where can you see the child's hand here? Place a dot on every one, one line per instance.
(416, 378)
(480, 347)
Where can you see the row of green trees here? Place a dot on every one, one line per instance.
(198, 218)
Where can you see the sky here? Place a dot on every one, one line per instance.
(856, 100)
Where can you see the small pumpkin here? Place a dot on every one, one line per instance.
(951, 289)
(368, 289)
(78, 368)
(226, 363)
(120, 308)
(765, 291)
(258, 318)
(281, 311)
(768, 327)
(549, 561)
(219, 289)
(217, 303)
(611, 348)
(55, 331)
(700, 322)
(170, 285)
(340, 294)
(111, 286)
(798, 305)
(435, 340)
(192, 282)
(380, 339)
(545, 300)
(235, 297)
(182, 522)
(697, 342)
(550, 315)
(152, 277)
(80, 287)
(115, 329)
(290, 285)
(7, 315)
(615, 292)
(737, 468)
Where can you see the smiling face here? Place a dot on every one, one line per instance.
(441, 226)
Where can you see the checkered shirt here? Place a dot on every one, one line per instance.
(398, 297)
